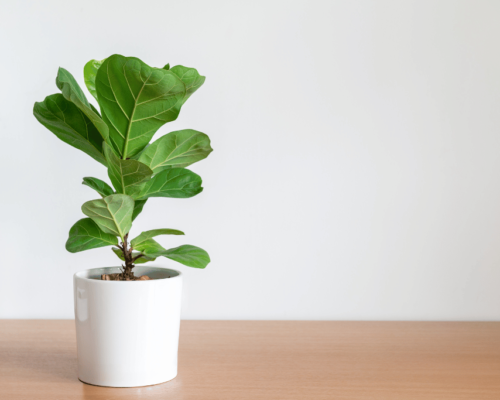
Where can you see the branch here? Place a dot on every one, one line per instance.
(136, 257)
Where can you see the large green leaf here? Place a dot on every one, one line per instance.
(70, 124)
(127, 176)
(152, 233)
(140, 260)
(191, 256)
(138, 206)
(99, 186)
(89, 74)
(113, 214)
(136, 100)
(86, 234)
(176, 149)
(174, 182)
(72, 92)
(190, 77)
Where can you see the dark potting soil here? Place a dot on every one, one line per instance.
(116, 277)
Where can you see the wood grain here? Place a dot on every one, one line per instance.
(274, 360)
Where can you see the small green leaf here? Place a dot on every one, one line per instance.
(113, 214)
(176, 149)
(127, 176)
(89, 74)
(72, 92)
(150, 247)
(167, 67)
(136, 100)
(191, 256)
(70, 124)
(174, 182)
(140, 260)
(152, 233)
(190, 77)
(70, 88)
(138, 206)
(188, 255)
(99, 186)
(86, 234)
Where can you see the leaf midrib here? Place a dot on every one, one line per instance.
(114, 220)
(131, 120)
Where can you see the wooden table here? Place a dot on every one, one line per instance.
(274, 360)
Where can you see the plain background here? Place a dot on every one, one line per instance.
(356, 171)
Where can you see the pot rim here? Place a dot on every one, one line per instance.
(79, 275)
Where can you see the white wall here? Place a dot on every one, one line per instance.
(356, 171)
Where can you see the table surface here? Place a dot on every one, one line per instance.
(274, 360)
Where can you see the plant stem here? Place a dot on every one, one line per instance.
(127, 273)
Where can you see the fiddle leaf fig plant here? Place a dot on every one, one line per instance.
(135, 100)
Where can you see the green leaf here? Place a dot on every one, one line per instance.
(191, 256)
(95, 110)
(176, 149)
(99, 186)
(190, 77)
(152, 233)
(70, 124)
(136, 100)
(174, 182)
(150, 247)
(72, 92)
(89, 74)
(167, 67)
(113, 214)
(86, 234)
(138, 155)
(127, 176)
(138, 206)
(140, 260)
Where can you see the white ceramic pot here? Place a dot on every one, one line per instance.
(127, 332)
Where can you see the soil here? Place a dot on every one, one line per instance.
(118, 277)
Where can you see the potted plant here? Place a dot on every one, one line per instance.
(128, 317)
